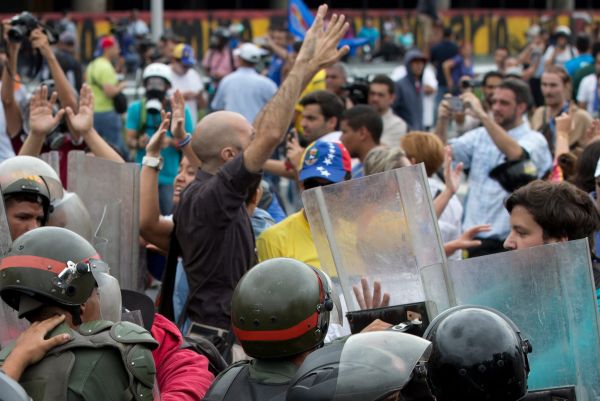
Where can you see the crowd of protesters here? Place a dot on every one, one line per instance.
(226, 146)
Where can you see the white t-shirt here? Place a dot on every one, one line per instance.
(587, 92)
(562, 57)
(189, 82)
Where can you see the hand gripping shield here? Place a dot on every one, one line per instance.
(110, 192)
(382, 227)
(548, 292)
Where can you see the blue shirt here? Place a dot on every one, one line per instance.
(578, 62)
(170, 155)
(485, 200)
(244, 91)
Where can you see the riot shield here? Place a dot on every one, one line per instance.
(11, 390)
(549, 293)
(10, 325)
(53, 159)
(110, 192)
(70, 213)
(382, 227)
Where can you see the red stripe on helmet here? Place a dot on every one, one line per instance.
(279, 335)
(36, 262)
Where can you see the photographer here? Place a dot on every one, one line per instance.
(143, 120)
(16, 31)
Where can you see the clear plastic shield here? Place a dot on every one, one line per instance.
(10, 325)
(70, 213)
(110, 192)
(376, 364)
(549, 293)
(382, 227)
(52, 158)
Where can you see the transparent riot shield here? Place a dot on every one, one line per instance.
(53, 159)
(70, 213)
(549, 293)
(382, 227)
(110, 192)
(10, 325)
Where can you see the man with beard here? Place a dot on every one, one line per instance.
(503, 138)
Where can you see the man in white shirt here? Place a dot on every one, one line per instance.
(587, 95)
(186, 79)
(381, 98)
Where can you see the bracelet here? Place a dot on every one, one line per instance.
(184, 141)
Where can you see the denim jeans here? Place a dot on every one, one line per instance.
(109, 125)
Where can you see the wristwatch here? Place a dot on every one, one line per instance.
(154, 162)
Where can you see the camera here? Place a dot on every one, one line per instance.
(358, 90)
(470, 83)
(456, 104)
(21, 27)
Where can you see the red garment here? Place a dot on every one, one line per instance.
(182, 374)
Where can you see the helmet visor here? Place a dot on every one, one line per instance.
(377, 364)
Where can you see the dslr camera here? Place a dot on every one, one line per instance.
(21, 27)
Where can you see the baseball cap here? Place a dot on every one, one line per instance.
(67, 37)
(185, 54)
(107, 41)
(327, 160)
(250, 52)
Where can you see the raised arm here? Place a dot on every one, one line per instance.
(318, 51)
(41, 121)
(66, 93)
(154, 228)
(178, 129)
(14, 119)
(82, 125)
(507, 145)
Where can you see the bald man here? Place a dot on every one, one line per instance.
(212, 227)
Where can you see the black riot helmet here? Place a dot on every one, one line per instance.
(365, 367)
(478, 355)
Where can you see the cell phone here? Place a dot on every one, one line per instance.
(291, 135)
(456, 104)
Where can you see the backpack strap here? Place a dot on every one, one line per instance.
(220, 387)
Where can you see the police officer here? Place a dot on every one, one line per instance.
(383, 365)
(29, 187)
(280, 314)
(52, 271)
(478, 354)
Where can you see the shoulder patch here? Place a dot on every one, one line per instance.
(130, 333)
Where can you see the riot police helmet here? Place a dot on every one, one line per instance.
(478, 354)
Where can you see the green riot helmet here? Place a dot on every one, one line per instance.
(478, 354)
(52, 265)
(281, 308)
(27, 175)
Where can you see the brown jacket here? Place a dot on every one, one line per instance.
(581, 121)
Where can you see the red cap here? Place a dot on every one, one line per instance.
(107, 41)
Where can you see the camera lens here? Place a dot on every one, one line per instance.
(17, 33)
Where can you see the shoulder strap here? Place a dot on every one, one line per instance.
(220, 387)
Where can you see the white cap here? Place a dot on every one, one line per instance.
(562, 29)
(597, 172)
(250, 52)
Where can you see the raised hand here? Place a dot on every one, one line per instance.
(319, 49)
(370, 300)
(32, 345)
(41, 120)
(82, 122)
(564, 124)
(178, 115)
(39, 41)
(157, 140)
(451, 176)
